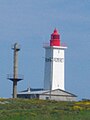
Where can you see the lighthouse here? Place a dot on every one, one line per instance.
(54, 88)
(54, 73)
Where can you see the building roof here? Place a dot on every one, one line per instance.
(57, 92)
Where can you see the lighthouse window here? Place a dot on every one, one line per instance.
(56, 37)
(58, 51)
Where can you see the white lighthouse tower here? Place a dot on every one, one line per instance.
(54, 64)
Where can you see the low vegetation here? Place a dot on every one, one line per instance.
(25, 109)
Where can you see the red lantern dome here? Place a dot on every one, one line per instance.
(55, 38)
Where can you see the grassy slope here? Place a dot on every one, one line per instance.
(24, 109)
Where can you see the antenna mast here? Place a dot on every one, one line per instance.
(15, 77)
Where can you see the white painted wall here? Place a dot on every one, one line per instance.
(54, 68)
(57, 98)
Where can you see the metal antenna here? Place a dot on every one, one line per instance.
(15, 77)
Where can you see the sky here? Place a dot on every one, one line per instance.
(30, 24)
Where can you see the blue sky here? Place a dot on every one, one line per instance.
(30, 23)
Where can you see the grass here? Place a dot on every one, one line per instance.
(25, 109)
